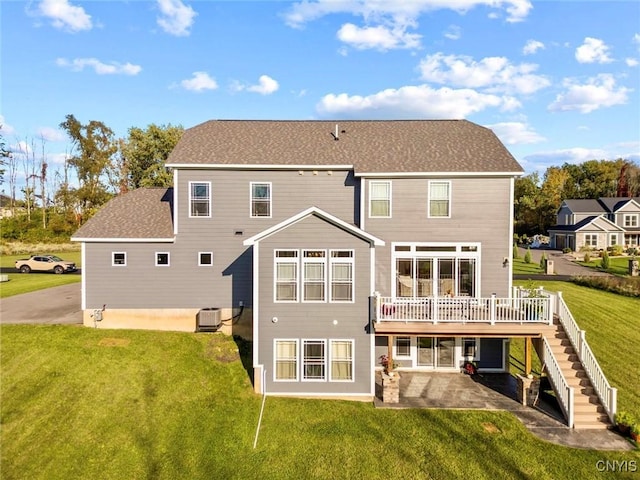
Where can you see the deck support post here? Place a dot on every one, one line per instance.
(389, 352)
(527, 356)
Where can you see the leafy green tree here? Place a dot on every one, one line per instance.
(527, 201)
(4, 155)
(145, 152)
(93, 148)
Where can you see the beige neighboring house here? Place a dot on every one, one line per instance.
(597, 224)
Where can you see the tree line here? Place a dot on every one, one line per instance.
(98, 167)
(537, 199)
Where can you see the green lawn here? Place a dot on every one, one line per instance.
(617, 265)
(23, 283)
(92, 404)
(522, 268)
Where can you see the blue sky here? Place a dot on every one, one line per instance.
(558, 81)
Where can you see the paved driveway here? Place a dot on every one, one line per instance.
(49, 306)
(564, 266)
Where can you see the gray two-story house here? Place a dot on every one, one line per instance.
(596, 224)
(329, 244)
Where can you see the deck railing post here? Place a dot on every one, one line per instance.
(582, 343)
(377, 306)
(434, 312)
(493, 309)
(613, 405)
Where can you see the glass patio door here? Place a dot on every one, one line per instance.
(426, 349)
(445, 352)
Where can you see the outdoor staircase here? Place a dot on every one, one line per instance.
(588, 410)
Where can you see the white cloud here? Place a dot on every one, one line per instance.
(266, 86)
(636, 38)
(65, 16)
(454, 32)
(51, 134)
(386, 22)
(380, 37)
(113, 68)
(420, 101)
(599, 92)
(516, 133)
(573, 155)
(532, 46)
(493, 73)
(176, 18)
(632, 62)
(200, 82)
(5, 128)
(593, 50)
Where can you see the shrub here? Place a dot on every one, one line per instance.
(626, 286)
(566, 250)
(604, 263)
(587, 257)
(615, 250)
(633, 251)
(527, 256)
(516, 253)
(543, 260)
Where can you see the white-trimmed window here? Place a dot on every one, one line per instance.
(286, 360)
(260, 199)
(613, 239)
(162, 259)
(200, 199)
(314, 360)
(314, 267)
(469, 348)
(439, 199)
(380, 199)
(341, 267)
(119, 259)
(205, 259)
(591, 239)
(630, 220)
(403, 347)
(341, 352)
(286, 275)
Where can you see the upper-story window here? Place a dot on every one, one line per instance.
(200, 199)
(380, 199)
(341, 270)
(314, 267)
(631, 220)
(286, 275)
(439, 199)
(261, 199)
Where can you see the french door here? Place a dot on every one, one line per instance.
(437, 352)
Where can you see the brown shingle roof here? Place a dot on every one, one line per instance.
(141, 213)
(374, 146)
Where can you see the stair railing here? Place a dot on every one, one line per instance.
(606, 393)
(564, 393)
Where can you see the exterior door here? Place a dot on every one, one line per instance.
(426, 347)
(445, 352)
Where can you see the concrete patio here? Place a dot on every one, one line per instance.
(496, 391)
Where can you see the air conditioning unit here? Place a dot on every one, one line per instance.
(209, 319)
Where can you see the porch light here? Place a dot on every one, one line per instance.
(505, 262)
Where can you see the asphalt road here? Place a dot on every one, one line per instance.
(57, 305)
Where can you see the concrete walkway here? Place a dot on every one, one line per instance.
(56, 305)
(496, 392)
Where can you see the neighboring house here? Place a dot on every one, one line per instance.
(329, 244)
(596, 224)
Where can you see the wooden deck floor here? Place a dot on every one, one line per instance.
(499, 330)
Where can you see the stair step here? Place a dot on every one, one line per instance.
(582, 418)
(592, 425)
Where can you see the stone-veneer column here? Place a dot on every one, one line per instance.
(390, 387)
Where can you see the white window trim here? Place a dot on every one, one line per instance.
(114, 264)
(388, 182)
(350, 260)
(587, 240)
(295, 260)
(302, 360)
(302, 277)
(251, 215)
(431, 182)
(162, 264)
(200, 264)
(412, 346)
(476, 355)
(275, 359)
(632, 218)
(353, 356)
(191, 183)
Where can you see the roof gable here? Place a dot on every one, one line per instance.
(318, 213)
(398, 146)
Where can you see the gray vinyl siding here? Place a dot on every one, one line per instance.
(480, 212)
(315, 320)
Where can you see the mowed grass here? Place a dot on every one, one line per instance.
(522, 268)
(23, 283)
(84, 403)
(617, 265)
(612, 325)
